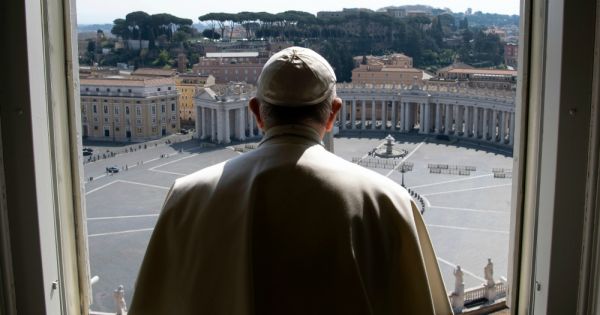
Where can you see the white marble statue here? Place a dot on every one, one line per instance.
(459, 286)
(119, 295)
(488, 271)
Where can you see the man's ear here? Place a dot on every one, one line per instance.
(254, 106)
(336, 105)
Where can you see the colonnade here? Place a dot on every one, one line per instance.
(412, 115)
(453, 110)
(218, 122)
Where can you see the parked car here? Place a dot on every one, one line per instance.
(112, 169)
(87, 151)
(183, 131)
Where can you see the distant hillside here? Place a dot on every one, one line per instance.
(476, 19)
(488, 19)
(410, 7)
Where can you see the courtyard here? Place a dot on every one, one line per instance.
(468, 215)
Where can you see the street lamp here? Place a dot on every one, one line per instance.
(403, 168)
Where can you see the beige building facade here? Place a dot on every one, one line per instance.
(480, 78)
(389, 69)
(231, 66)
(188, 85)
(129, 108)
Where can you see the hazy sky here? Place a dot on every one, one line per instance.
(105, 11)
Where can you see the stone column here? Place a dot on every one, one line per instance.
(353, 115)
(456, 119)
(242, 123)
(425, 119)
(447, 120)
(403, 116)
(200, 133)
(363, 114)
(438, 117)
(220, 125)
(486, 128)
(465, 121)
(227, 135)
(421, 118)
(394, 112)
(213, 125)
(343, 115)
(469, 120)
(476, 123)
(493, 125)
(502, 126)
(373, 120)
(384, 114)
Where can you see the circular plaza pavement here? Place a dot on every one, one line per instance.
(467, 213)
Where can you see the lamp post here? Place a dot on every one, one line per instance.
(403, 168)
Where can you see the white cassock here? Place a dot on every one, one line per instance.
(289, 228)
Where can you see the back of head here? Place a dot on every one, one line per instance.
(296, 85)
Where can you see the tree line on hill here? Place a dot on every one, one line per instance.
(432, 42)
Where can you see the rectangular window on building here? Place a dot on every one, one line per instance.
(126, 110)
(95, 110)
(138, 111)
(105, 109)
(163, 108)
(153, 109)
(172, 106)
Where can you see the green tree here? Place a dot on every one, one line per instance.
(163, 59)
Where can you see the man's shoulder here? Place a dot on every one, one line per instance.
(207, 176)
(350, 175)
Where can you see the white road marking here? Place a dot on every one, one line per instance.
(98, 188)
(466, 189)
(451, 181)
(143, 184)
(152, 160)
(471, 210)
(171, 162)
(123, 217)
(167, 172)
(461, 268)
(127, 182)
(466, 229)
(427, 203)
(120, 232)
(404, 159)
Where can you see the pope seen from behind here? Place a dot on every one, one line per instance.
(290, 228)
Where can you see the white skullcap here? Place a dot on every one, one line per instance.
(295, 76)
